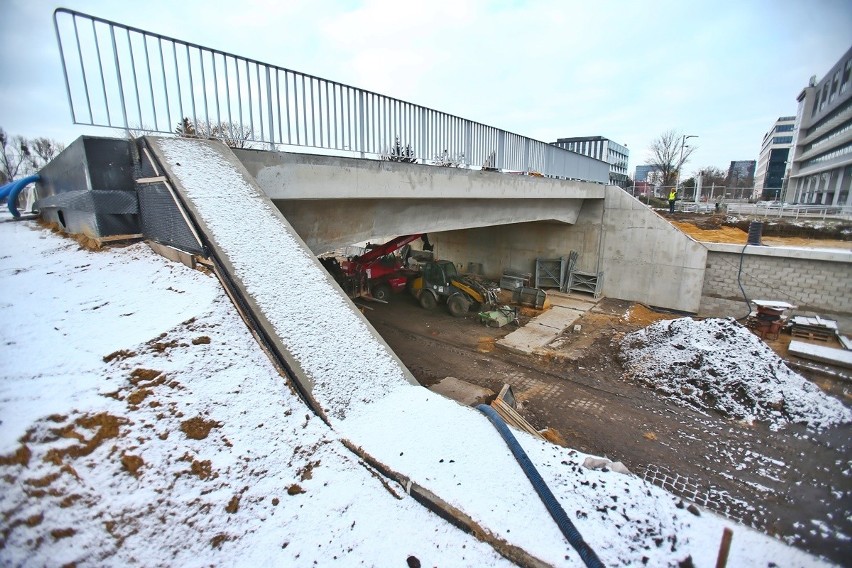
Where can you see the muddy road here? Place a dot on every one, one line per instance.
(794, 483)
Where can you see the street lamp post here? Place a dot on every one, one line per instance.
(683, 140)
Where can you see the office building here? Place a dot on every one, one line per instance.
(643, 172)
(616, 155)
(740, 179)
(820, 168)
(772, 162)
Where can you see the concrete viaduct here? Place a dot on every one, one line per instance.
(500, 220)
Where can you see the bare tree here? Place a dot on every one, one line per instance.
(668, 154)
(14, 156)
(232, 134)
(43, 150)
(186, 129)
(20, 156)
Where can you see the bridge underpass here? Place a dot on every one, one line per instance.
(333, 201)
(498, 220)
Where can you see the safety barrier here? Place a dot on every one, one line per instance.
(122, 77)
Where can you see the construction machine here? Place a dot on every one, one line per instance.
(440, 281)
(377, 273)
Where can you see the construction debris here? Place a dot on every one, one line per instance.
(603, 463)
(813, 328)
(504, 404)
(821, 353)
(768, 320)
(499, 317)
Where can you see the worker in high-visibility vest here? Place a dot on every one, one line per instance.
(672, 198)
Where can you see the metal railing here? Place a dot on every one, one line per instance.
(795, 211)
(118, 76)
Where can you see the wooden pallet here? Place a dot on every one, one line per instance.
(811, 334)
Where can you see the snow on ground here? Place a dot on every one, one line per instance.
(225, 201)
(186, 448)
(719, 365)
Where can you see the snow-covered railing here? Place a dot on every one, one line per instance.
(118, 76)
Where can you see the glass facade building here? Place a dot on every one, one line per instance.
(600, 148)
(820, 162)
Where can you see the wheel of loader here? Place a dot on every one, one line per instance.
(427, 301)
(458, 305)
(381, 292)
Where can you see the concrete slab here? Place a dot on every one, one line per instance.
(543, 329)
(559, 318)
(530, 337)
(462, 392)
(830, 355)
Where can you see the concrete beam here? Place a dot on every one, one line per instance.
(290, 176)
(326, 224)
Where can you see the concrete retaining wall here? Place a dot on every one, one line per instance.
(646, 259)
(814, 280)
(643, 257)
(517, 246)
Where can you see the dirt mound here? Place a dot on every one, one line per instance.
(719, 365)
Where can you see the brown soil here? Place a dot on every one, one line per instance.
(62, 533)
(139, 375)
(203, 340)
(197, 428)
(709, 229)
(641, 316)
(307, 472)
(21, 457)
(295, 489)
(203, 469)
(119, 355)
(138, 396)
(132, 464)
(104, 425)
(233, 505)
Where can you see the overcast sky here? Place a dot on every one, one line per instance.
(625, 70)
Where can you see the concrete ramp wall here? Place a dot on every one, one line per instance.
(646, 259)
(326, 342)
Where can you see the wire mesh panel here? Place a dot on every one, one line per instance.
(118, 76)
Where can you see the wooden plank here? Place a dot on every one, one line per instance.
(804, 334)
(119, 238)
(512, 418)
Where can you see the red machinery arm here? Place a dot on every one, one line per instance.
(387, 248)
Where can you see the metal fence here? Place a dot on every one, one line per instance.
(123, 77)
(794, 211)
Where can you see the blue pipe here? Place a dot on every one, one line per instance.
(4, 190)
(11, 191)
(553, 507)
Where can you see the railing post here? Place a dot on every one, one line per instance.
(501, 150)
(527, 155)
(468, 142)
(269, 110)
(423, 146)
(361, 146)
